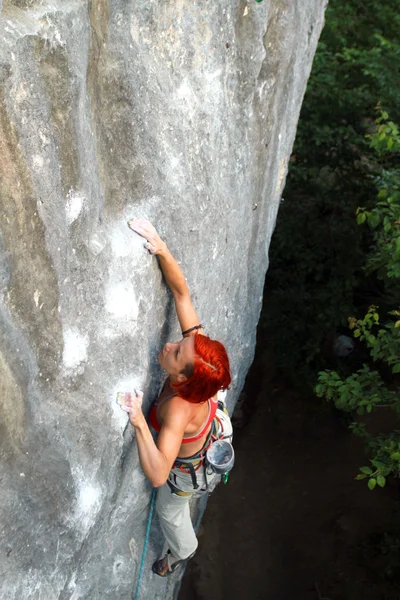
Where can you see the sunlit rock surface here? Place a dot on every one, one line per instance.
(184, 112)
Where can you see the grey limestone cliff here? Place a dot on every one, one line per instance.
(181, 111)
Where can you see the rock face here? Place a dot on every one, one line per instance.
(183, 112)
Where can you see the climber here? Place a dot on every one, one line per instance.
(184, 414)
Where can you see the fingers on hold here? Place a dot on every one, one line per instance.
(136, 225)
(141, 226)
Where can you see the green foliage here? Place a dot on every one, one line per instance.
(336, 249)
(386, 137)
(385, 450)
(317, 274)
(366, 390)
(361, 392)
(383, 343)
(384, 217)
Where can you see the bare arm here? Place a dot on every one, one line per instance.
(156, 459)
(171, 270)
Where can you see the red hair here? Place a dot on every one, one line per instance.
(209, 373)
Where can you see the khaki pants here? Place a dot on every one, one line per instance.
(174, 512)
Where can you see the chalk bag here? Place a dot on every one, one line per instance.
(221, 456)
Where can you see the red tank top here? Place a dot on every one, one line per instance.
(212, 409)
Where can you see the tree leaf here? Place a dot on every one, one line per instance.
(381, 480)
(366, 470)
(361, 217)
(378, 464)
(372, 483)
(374, 220)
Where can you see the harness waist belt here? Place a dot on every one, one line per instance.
(193, 463)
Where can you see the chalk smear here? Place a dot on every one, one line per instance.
(88, 501)
(75, 348)
(74, 206)
(121, 301)
(125, 242)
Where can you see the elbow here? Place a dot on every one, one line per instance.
(159, 475)
(182, 293)
(158, 482)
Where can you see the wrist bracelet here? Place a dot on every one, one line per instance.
(192, 329)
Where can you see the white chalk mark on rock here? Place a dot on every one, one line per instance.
(37, 161)
(121, 301)
(75, 348)
(74, 206)
(88, 500)
(184, 90)
(124, 242)
(36, 297)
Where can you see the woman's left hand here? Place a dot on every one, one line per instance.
(131, 402)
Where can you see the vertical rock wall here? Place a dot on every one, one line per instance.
(181, 111)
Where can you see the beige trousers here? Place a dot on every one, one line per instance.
(174, 512)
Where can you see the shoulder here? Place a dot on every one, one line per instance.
(177, 410)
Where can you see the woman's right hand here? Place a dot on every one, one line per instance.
(143, 227)
(131, 402)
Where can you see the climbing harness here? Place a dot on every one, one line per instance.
(210, 455)
(146, 541)
(191, 464)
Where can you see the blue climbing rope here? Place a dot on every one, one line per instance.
(146, 541)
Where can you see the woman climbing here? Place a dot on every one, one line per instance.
(184, 414)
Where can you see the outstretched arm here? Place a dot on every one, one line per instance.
(171, 270)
